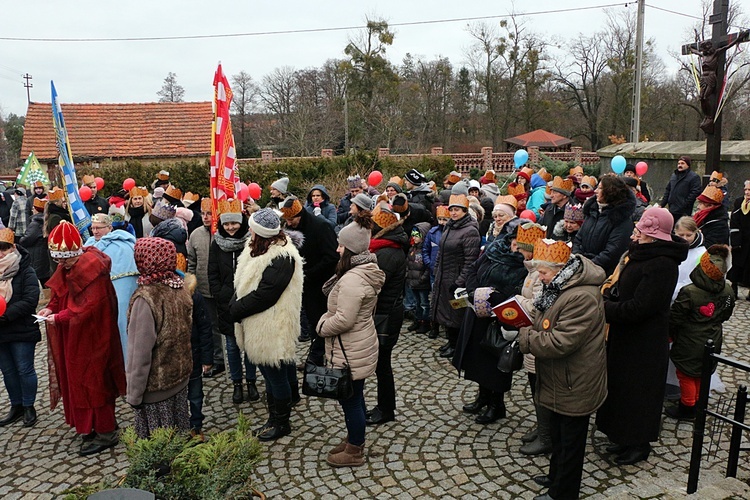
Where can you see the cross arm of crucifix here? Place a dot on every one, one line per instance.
(725, 43)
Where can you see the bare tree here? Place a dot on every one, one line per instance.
(244, 100)
(171, 91)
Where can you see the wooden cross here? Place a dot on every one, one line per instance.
(713, 54)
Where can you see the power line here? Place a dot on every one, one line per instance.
(674, 12)
(310, 30)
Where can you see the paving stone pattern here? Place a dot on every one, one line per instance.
(432, 450)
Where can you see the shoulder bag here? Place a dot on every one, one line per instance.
(328, 382)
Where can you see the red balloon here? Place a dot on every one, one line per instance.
(128, 184)
(641, 168)
(254, 190)
(85, 193)
(374, 178)
(3, 305)
(243, 193)
(99, 183)
(528, 214)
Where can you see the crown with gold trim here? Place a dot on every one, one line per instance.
(229, 207)
(206, 205)
(551, 251)
(138, 191)
(712, 194)
(529, 234)
(40, 203)
(64, 241)
(458, 200)
(576, 170)
(173, 192)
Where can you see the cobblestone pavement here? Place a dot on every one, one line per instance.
(432, 450)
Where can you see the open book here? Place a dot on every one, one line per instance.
(512, 313)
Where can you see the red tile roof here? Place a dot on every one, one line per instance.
(148, 130)
(540, 138)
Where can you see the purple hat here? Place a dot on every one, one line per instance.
(656, 222)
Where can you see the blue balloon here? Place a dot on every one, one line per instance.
(520, 158)
(618, 164)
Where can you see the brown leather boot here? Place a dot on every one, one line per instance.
(339, 447)
(352, 456)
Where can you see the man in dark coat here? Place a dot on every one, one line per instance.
(39, 193)
(354, 183)
(607, 224)
(319, 252)
(554, 213)
(6, 202)
(683, 188)
(419, 191)
(96, 204)
(35, 242)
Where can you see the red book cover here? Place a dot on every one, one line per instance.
(512, 313)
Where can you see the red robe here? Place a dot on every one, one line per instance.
(86, 363)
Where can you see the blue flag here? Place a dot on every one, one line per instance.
(77, 209)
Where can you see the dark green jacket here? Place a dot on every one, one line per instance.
(696, 316)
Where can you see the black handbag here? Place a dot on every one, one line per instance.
(493, 341)
(328, 382)
(511, 358)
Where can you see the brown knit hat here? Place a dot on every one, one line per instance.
(714, 262)
(383, 215)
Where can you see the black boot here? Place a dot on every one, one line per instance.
(448, 353)
(413, 326)
(681, 412)
(735, 289)
(252, 391)
(634, 454)
(444, 347)
(280, 426)
(237, 395)
(100, 443)
(29, 416)
(434, 331)
(424, 327)
(15, 413)
(483, 397)
(495, 410)
(271, 415)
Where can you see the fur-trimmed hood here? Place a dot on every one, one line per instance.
(296, 237)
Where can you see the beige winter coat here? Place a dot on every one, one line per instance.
(351, 304)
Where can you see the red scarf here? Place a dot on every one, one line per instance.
(701, 215)
(379, 243)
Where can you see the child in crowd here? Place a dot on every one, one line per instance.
(696, 316)
(418, 279)
(571, 223)
(430, 247)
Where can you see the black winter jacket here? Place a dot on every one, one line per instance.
(680, 194)
(17, 324)
(201, 336)
(319, 252)
(221, 268)
(605, 235)
(392, 261)
(715, 227)
(35, 242)
(552, 215)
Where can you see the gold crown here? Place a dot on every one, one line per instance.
(383, 216)
(88, 179)
(138, 191)
(173, 192)
(589, 181)
(229, 207)
(515, 189)
(527, 170)
(291, 207)
(56, 194)
(206, 205)
(442, 211)
(562, 184)
(7, 236)
(489, 176)
(458, 200)
(554, 252)
(711, 194)
(544, 174)
(190, 198)
(576, 170)
(40, 203)
(454, 177)
(396, 180)
(529, 234)
(507, 200)
(38, 184)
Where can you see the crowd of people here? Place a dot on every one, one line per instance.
(609, 279)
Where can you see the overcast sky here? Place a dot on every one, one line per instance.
(134, 71)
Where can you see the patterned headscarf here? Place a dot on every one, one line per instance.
(156, 259)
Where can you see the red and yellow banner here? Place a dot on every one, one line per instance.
(224, 175)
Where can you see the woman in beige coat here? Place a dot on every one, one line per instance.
(352, 295)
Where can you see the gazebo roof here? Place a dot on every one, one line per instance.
(540, 138)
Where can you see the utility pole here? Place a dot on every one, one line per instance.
(635, 122)
(28, 85)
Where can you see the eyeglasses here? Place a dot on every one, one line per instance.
(99, 228)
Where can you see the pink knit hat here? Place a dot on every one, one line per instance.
(656, 222)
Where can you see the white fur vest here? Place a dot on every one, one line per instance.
(269, 337)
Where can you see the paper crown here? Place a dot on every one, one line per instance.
(529, 234)
(38, 184)
(576, 170)
(206, 205)
(573, 213)
(712, 195)
(565, 186)
(442, 211)
(354, 181)
(507, 200)
(7, 236)
(489, 176)
(138, 191)
(551, 251)
(716, 175)
(229, 207)
(453, 177)
(588, 181)
(164, 211)
(40, 203)
(64, 241)
(173, 192)
(101, 219)
(526, 173)
(88, 179)
(383, 216)
(516, 190)
(458, 200)
(163, 175)
(544, 174)
(56, 194)
(400, 204)
(190, 198)
(291, 207)
(396, 180)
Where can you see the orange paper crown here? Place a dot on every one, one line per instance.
(396, 180)
(489, 176)
(562, 184)
(38, 184)
(507, 200)
(589, 181)
(442, 211)
(544, 174)
(56, 194)
(529, 234)
(163, 175)
(454, 177)
(138, 191)
(173, 192)
(711, 194)
(576, 170)
(383, 216)
(716, 175)
(40, 203)
(516, 189)
(229, 207)
(7, 236)
(206, 205)
(458, 200)
(88, 179)
(291, 207)
(554, 252)
(190, 198)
